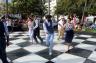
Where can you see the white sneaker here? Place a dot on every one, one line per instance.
(50, 53)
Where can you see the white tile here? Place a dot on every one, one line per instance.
(30, 59)
(17, 32)
(78, 40)
(86, 46)
(12, 48)
(75, 37)
(17, 41)
(86, 36)
(92, 39)
(68, 58)
(22, 37)
(61, 48)
(11, 36)
(25, 34)
(58, 41)
(35, 48)
(0, 61)
(93, 56)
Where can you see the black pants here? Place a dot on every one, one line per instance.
(3, 55)
(37, 34)
(9, 28)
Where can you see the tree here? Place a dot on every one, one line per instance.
(75, 6)
(26, 7)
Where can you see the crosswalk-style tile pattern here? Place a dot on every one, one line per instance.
(22, 50)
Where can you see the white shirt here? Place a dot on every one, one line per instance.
(37, 21)
(8, 23)
(60, 23)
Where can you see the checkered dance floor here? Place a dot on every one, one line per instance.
(22, 50)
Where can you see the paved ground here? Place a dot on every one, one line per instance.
(22, 50)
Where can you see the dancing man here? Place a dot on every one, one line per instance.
(49, 31)
(37, 30)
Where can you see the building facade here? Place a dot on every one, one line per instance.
(52, 6)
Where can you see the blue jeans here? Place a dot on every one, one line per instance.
(49, 41)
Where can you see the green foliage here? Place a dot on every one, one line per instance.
(26, 7)
(76, 6)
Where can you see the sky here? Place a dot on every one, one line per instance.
(4, 1)
(9, 0)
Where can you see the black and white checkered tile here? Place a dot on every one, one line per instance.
(22, 50)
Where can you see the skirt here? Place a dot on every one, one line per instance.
(30, 34)
(69, 36)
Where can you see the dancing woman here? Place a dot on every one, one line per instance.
(30, 28)
(69, 32)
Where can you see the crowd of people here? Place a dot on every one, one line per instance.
(66, 28)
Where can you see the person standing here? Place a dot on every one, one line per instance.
(36, 30)
(9, 24)
(69, 32)
(49, 31)
(61, 28)
(4, 40)
(30, 28)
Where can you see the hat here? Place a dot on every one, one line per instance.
(61, 17)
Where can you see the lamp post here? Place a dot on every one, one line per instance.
(57, 9)
(49, 7)
(6, 8)
(84, 11)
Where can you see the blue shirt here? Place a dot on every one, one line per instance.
(6, 29)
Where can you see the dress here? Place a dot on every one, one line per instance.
(69, 32)
(60, 29)
(30, 27)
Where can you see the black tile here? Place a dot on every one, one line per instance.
(18, 35)
(24, 44)
(17, 53)
(89, 61)
(10, 43)
(49, 62)
(95, 49)
(81, 38)
(80, 52)
(74, 43)
(46, 55)
(21, 33)
(89, 42)
(13, 38)
(26, 38)
(44, 44)
(86, 33)
(93, 36)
